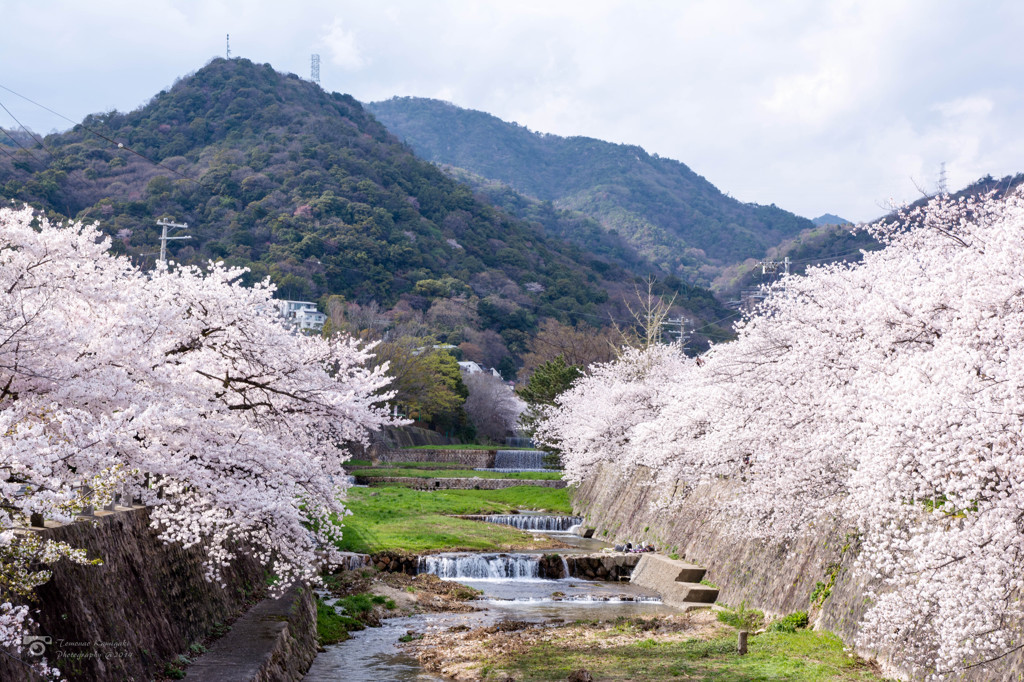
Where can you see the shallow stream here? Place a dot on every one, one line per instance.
(373, 654)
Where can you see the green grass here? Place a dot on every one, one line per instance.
(805, 655)
(331, 627)
(417, 521)
(410, 472)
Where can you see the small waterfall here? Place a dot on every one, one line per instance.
(537, 522)
(481, 566)
(519, 442)
(575, 529)
(519, 460)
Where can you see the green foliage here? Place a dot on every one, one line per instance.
(332, 627)
(823, 588)
(790, 623)
(705, 581)
(741, 618)
(546, 383)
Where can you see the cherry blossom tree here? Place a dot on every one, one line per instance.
(887, 394)
(110, 376)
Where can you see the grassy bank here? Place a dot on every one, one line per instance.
(803, 655)
(417, 521)
(687, 646)
(416, 472)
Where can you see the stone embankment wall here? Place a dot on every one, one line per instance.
(611, 567)
(456, 483)
(410, 436)
(774, 576)
(471, 459)
(147, 603)
(275, 641)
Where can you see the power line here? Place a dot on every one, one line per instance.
(119, 145)
(29, 132)
(15, 141)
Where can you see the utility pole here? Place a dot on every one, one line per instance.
(228, 41)
(164, 236)
(680, 332)
(772, 266)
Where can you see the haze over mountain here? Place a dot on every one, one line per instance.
(272, 173)
(671, 215)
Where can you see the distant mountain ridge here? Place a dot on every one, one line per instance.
(671, 215)
(830, 219)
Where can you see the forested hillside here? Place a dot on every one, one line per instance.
(671, 215)
(304, 186)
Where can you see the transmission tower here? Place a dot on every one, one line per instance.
(942, 189)
(314, 69)
(227, 40)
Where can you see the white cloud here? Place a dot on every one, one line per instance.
(817, 107)
(342, 48)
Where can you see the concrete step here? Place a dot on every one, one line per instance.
(676, 581)
(701, 594)
(689, 573)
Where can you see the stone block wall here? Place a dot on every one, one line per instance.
(126, 619)
(471, 459)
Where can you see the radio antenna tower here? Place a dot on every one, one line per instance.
(228, 41)
(314, 68)
(942, 189)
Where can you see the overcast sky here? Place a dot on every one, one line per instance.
(813, 105)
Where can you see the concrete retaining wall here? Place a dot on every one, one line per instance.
(773, 576)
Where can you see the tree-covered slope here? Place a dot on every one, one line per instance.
(305, 186)
(673, 216)
(272, 173)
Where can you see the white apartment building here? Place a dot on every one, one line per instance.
(301, 315)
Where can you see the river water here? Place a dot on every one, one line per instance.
(373, 654)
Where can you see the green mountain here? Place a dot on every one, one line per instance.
(273, 173)
(830, 219)
(669, 214)
(304, 186)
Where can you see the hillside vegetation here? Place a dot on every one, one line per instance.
(668, 213)
(306, 187)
